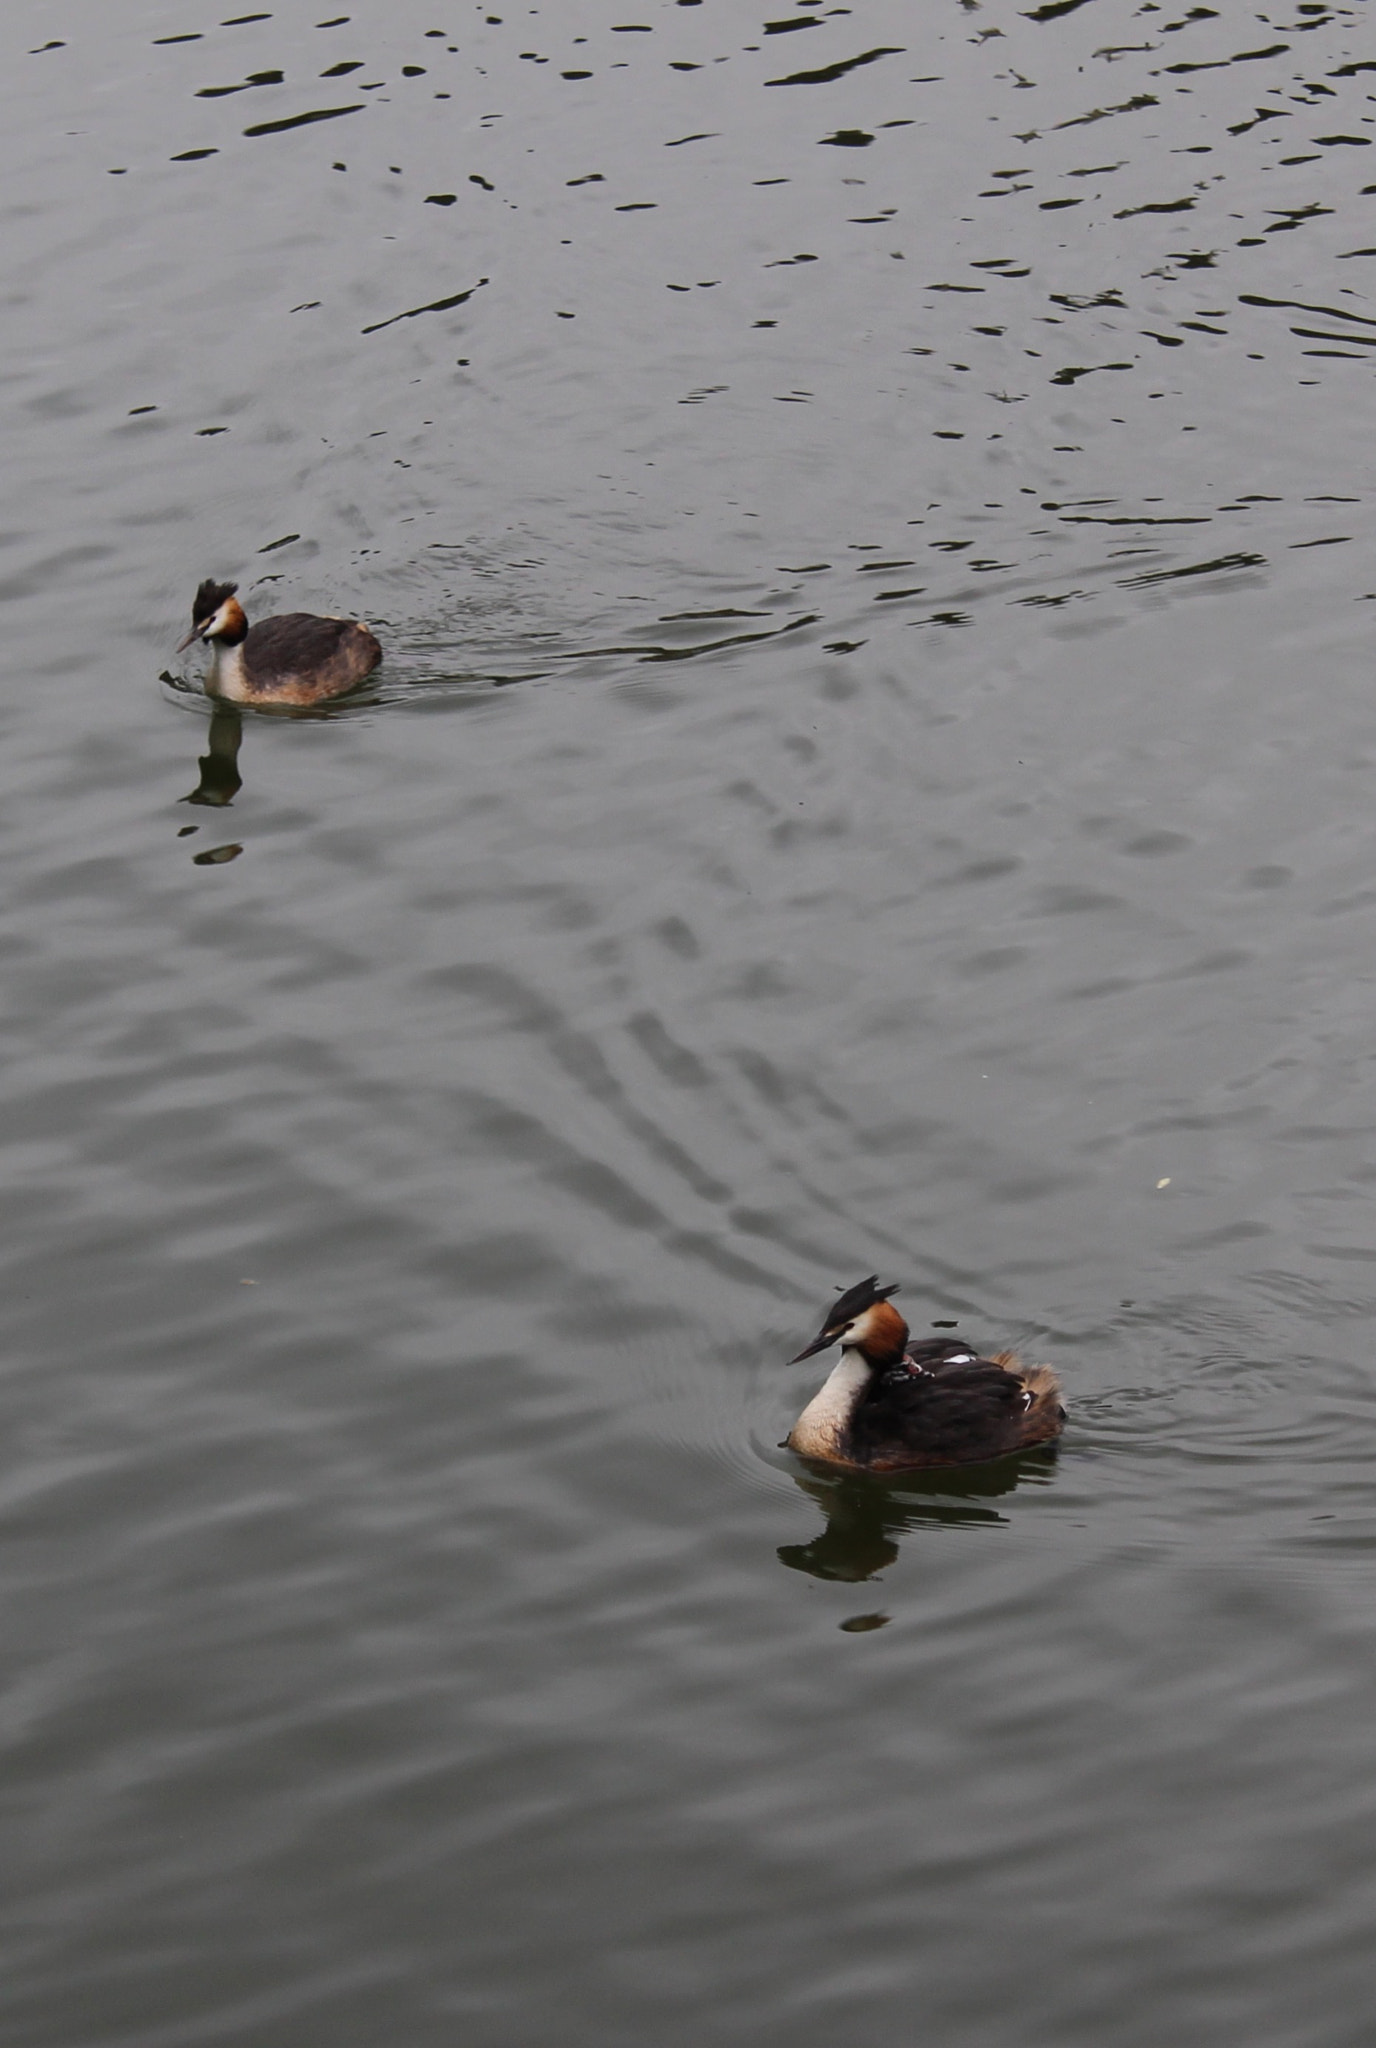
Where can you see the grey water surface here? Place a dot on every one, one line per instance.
(869, 515)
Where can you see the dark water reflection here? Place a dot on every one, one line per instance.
(867, 515)
(864, 1516)
(220, 780)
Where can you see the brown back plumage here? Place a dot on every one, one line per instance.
(299, 657)
(963, 1412)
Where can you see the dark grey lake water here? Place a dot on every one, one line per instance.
(868, 512)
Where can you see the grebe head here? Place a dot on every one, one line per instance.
(863, 1320)
(216, 614)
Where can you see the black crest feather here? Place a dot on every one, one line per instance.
(209, 598)
(856, 1300)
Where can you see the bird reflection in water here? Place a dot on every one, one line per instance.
(220, 779)
(865, 1514)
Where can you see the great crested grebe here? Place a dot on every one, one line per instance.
(296, 658)
(892, 1406)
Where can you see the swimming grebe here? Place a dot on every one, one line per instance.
(892, 1406)
(297, 658)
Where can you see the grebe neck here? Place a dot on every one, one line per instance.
(822, 1429)
(225, 671)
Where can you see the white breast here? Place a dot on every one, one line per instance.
(821, 1429)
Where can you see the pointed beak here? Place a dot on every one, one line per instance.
(194, 634)
(821, 1342)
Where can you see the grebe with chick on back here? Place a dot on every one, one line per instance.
(297, 658)
(892, 1406)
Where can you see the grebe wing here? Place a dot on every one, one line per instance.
(945, 1354)
(297, 640)
(971, 1383)
(956, 1414)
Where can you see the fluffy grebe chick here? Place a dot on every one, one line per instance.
(892, 1406)
(296, 658)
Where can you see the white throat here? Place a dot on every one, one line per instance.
(824, 1425)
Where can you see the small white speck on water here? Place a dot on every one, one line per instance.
(1164, 1183)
